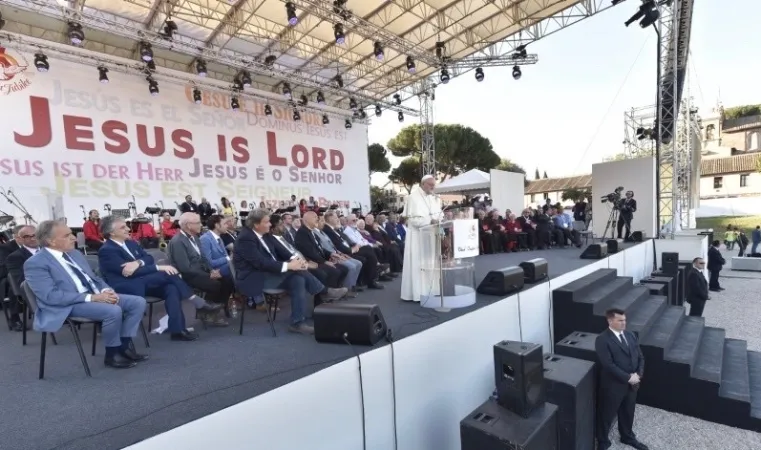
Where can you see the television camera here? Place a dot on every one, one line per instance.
(614, 197)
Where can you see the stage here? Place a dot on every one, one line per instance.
(183, 382)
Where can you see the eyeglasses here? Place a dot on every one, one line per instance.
(27, 236)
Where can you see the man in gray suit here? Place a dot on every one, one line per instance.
(65, 286)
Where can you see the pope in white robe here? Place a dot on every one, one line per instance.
(421, 208)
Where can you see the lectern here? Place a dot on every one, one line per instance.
(448, 252)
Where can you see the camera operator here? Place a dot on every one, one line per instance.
(626, 207)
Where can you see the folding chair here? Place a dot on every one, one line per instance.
(271, 298)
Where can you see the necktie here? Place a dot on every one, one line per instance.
(81, 276)
(267, 248)
(317, 241)
(622, 339)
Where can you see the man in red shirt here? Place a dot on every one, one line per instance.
(144, 232)
(166, 227)
(93, 237)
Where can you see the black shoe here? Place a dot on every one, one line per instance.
(722, 289)
(16, 325)
(133, 356)
(184, 336)
(211, 307)
(375, 286)
(714, 290)
(119, 361)
(603, 446)
(384, 278)
(636, 444)
(357, 289)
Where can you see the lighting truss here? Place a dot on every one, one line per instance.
(121, 65)
(428, 143)
(634, 120)
(130, 29)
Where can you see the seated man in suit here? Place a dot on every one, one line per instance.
(260, 265)
(14, 263)
(213, 247)
(65, 286)
(365, 255)
(185, 254)
(128, 269)
(309, 246)
(353, 266)
(390, 248)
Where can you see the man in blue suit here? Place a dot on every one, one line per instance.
(213, 248)
(65, 286)
(130, 270)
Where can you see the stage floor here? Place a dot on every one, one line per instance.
(186, 381)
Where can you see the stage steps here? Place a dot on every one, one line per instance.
(689, 368)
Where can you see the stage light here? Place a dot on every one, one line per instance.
(397, 99)
(150, 66)
(245, 78)
(197, 98)
(201, 68)
(362, 114)
(444, 77)
(296, 116)
(378, 51)
(153, 86)
(352, 103)
(410, 64)
(378, 111)
(400, 116)
(76, 35)
(440, 47)
(347, 124)
(479, 74)
(320, 98)
(339, 81)
(325, 119)
(146, 51)
(237, 86)
(290, 10)
(169, 28)
(338, 32)
(41, 62)
(234, 104)
(517, 72)
(647, 14)
(287, 90)
(303, 100)
(103, 75)
(267, 110)
(356, 114)
(270, 60)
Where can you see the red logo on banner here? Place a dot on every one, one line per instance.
(13, 68)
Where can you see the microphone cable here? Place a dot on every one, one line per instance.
(361, 390)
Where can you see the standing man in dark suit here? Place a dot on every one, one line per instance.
(189, 205)
(626, 208)
(621, 367)
(205, 210)
(14, 264)
(697, 288)
(309, 246)
(715, 263)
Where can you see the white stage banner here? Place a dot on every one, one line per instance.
(465, 234)
(91, 143)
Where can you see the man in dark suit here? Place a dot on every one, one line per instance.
(26, 242)
(697, 288)
(8, 248)
(621, 367)
(309, 246)
(188, 205)
(627, 208)
(715, 263)
(365, 255)
(128, 269)
(528, 225)
(260, 265)
(205, 210)
(391, 249)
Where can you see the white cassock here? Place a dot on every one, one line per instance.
(419, 209)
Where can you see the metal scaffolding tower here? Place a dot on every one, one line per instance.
(428, 143)
(639, 132)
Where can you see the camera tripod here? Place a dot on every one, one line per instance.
(611, 224)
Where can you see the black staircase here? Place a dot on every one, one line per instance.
(690, 369)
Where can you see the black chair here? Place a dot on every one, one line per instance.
(271, 298)
(27, 313)
(4, 302)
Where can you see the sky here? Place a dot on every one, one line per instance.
(567, 112)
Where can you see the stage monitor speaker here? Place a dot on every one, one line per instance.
(519, 376)
(502, 282)
(595, 251)
(638, 236)
(534, 270)
(670, 263)
(570, 385)
(357, 324)
(491, 427)
(614, 245)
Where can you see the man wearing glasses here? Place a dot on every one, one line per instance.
(697, 287)
(27, 247)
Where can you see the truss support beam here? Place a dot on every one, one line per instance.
(428, 143)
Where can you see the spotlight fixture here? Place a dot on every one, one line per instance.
(397, 99)
(355, 115)
(270, 60)
(444, 77)
(41, 62)
(103, 75)
(645, 133)
(347, 124)
(287, 90)
(338, 32)
(378, 111)
(378, 51)
(245, 78)
(197, 96)
(201, 67)
(440, 50)
(400, 116)
(339, 81)
(150, 66)
(517, 72)
(410, 64)
(479, 74)
(76, 35)
(146, 51)
(267, 110)
(320, 98)
(234, 104)
(362, 114)
(153, 86)
(303, 100)
(325, 119)
(352, 104)
(296, 116)
(647, 14)
(169, 28)
(237, 86)
(290, 10)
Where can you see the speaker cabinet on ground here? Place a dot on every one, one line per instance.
(491, 427)
(614, 245)
(656, 288)
(502, 282)
(360, 324)
(670, 263)
(570, 385)
(637, 236)
(534, 270)
(678, 285)
(519, 376)
(595, 251)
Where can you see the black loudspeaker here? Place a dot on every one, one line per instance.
(491, 427)
(670, 284)
(595, 251)
(358, 324)
(570, 385)
(680, 283)
(534, 270)
(519, 376)
(670, 263)
(614, 245)
(502, 282)
(638, 236)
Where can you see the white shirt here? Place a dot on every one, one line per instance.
(356, 236)
(266, 247)
(619, 335)
(33, 251)
(124, 247)
(192, 242)
(58, 255)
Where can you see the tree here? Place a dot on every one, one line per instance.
(536, 174)
(758, 163)
(408, 173)
(545, 174)
(377, 159)
(378, 197)
(575, 194)
(458, 148)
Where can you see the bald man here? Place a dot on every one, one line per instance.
(309, 245)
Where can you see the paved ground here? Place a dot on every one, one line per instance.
(737, 310)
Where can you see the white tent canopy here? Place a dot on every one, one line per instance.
(471, 181)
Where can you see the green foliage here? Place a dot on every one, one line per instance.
(737, 112)
(719, 223)
(758, 163)
(407, 173)
(536, 174)
(545, 174)
(576, 195)
(378, 197)
(377, 160)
